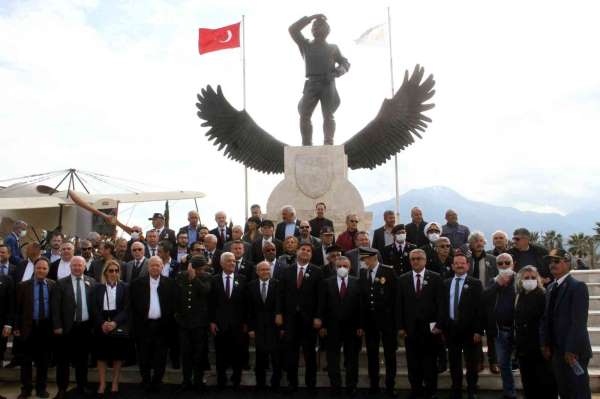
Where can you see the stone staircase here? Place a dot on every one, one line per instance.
(487, 380)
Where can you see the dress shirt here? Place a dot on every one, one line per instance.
(154, 309)
(400, 246)
(36, 299)
(452, 288)
(4, 268)
(422, 274)
(339, 281)
(375, 268)
(272, 263)
(260, 285)
(84, 308)
(89, 263)
(304, 267)
(64, 269)
(150, 251)
(560, 280)
(224, 277)
(192, 235)
(28, 273)
(181, 253)
(388, 237)
(110, 298)
(166, 271)
(54, 257)
(290, 229)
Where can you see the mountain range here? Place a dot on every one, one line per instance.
(434, 201)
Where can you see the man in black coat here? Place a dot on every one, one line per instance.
(266, 229)
(339, 305)
(222, 232)
(191, 314)
(383, 236)
(289, 226)
(262, 306)
(227, 313)
(152, 302)
(361, 239)
(7, 299)
(297, 308)
(378, 293)
(415, 233)
(463, 325)
(164, 233)
(33, 326)
(243, 266)
(420, 314)
(71, 319)
(397, 254)
(320, 221)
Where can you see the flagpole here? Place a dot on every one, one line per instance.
(244, 103)
(389, 20)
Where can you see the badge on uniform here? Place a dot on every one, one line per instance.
(381, 280)
(306, 275)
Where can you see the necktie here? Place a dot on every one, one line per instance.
(418, 284)
(263, 291)
(343, 288)
(300, 278)
(137, 264)
(152, 251)
(237, 266)
(227, 288)
(78, 307)
(456, 296)
(41, 302)
(222, 235)
(371, 276)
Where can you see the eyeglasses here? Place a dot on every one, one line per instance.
(507, 263)
(112, 271)
(137, 249)
(86, 249)
(304, 227)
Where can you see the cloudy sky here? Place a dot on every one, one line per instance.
(109, 86)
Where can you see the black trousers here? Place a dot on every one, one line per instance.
(537, 377)
(174, 346)
(228, 347)
(265, 354)
(152, 345)
(36, 348)
(338, 337)
(300, 333)
(373, 336)
(193, 350)
(459, 345)
(73, 348)
(422, 352)
(570, 386)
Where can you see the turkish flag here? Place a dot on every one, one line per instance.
(218, 39)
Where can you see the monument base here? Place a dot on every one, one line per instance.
(318, 174)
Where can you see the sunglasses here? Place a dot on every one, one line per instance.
(304, 227)
(86, 249)
(507, 263)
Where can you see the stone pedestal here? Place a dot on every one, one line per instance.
(318, 174)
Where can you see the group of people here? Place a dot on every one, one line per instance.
(291, 288)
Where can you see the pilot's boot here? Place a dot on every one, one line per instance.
(328, 130)
(306, 131)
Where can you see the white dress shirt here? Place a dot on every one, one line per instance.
(303, 267)
(560, 280)
(110, 298)
(28, 271)
(452, 288)
(339, 282)
(64, 269)
(421, 274)
(374, 272)
(150, 250)
(54, 257)
(84, 309)
(154, 309)
(273, 262)
(166, 271)
(224, 277)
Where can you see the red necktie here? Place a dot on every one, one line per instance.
(418, 284)
(300, 278)
(343, 288)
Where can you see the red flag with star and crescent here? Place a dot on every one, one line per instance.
(218, 39)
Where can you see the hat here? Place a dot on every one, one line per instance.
(334, 248)
(267, 223)
(157, 216)
(397, 228)
(366, 251)
(326, 230)
(430, 225)
(198, 261)
(558, 254)
(522, 231)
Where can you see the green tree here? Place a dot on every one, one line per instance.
(535, 237)
(551, 240)
(584, 246)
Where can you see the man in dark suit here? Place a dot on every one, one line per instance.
(378, 315)
(397, 254)
(211, 252)
(564, 333)
(13, 241)
(164, 233)
(222, 232)
(106, 252)
(6, 267)
(327, 240)
(26, 269)
(329, 269)
(61, 267)
(270, 253)
(54, 253)
(463, 325)
(266, 229)
(289, 225)
(138, 266)
(71, 308)
(227, 320)
(262, 301)
(361, 240)
(191, 314)
(339, 306)
(318, 223)
(152, 302)
(33, 326)
(415, 230)
(243, 266)
(420, 314)
(297, 308)
(383, 236)
(193, 228)
(7, 298)
(170, 270)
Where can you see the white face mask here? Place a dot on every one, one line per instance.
(342, 272)
(433, 237)
(135, 235)
(529, 285)
(401, 237)
(23, 233)
(506, 272)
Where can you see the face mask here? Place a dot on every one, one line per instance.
(135, 235)
(342, 272)
(23, 233)
(506, 272)
(400, 237)
(433, 237)
(529, 285)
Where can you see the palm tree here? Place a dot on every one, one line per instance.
(535, 237)
(551, 240)
(582, 245)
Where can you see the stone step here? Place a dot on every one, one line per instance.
(587, 276)
(594, 318)
(594, 302)
(593, 289)
(594, 333)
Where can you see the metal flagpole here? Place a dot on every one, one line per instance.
(389, 20)
(244, 103)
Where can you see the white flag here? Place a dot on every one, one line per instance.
(374, 36)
